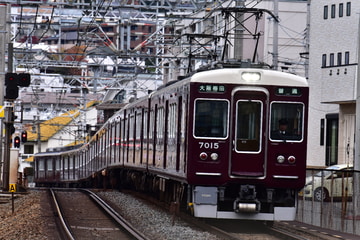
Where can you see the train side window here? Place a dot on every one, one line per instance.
(287, 121)
(248, 126)
(49, 165)
(211, 118)
(57, 163)
(41, 164)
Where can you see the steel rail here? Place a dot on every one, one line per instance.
(283, 234)
(66, 228)
(116, 216)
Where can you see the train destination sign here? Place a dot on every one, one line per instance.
(212, 88)
(288, 91)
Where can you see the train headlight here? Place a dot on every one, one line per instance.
(203, 156)
(291, 159)
(251, 76)
(214, 156)
(280, 159)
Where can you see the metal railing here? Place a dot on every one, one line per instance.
(327, 200)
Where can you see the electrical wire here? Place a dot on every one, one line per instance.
(48, 25)
(20, 24)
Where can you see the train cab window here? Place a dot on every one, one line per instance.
(248, 125)
(211, 118)
(286, 121)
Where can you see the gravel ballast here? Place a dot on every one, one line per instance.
(30, 220)
(153, 221)
(34, 219)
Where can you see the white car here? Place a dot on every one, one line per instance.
(335, 181)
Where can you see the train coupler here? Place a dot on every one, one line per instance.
(246, 207)
(247, 201)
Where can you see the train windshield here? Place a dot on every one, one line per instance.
(248, 125)
(287, 121)
(211, 118)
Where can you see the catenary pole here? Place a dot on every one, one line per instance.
(275, 35)
(356, 179)
(3, 33)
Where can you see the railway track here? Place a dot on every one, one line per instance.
(83, 215)
(231, 229)
(80, 216)
(253, 230)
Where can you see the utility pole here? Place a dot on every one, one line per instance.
(238, 31)
(9, 126)
(3, 41)
(276, 35)
(357, 139)
(3, 34)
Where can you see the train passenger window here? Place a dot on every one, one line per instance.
(211, 118)
(248, 125)
(287, 121)
(49, 165)
(41, 165)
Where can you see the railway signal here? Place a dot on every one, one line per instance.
(12, 89)
(17, 142)
(13, 81)
(24, 136)
(23, 80)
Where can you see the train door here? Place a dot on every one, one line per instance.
(249, 107)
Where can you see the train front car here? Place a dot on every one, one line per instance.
(247, 143)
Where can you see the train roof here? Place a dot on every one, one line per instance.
(235, 76)
(59, 150)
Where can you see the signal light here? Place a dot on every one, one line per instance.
(24, 137)
(12, 89)
(12, 83)
(23, 80)
(17, 142)
(11, 79)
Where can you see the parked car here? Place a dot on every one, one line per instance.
(335, 181)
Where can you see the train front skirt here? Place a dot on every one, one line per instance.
(205, 205)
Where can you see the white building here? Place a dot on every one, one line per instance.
(334, 31)
(64, 130)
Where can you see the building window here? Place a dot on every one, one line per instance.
(323, 64)
(341, 9)
(347, 58)
(332, 127)
(333, 9)
(331, 59)
(322, 131)
(326, 12)
(339, 56)
(348, 8)
(28, 149)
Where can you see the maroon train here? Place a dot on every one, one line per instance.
(228, 143)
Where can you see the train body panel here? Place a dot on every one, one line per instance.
(232, 140)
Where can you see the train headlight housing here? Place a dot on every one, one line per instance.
(250, 76)
(214, 156)
(203, 156)
(291, 159)
(280, 159)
